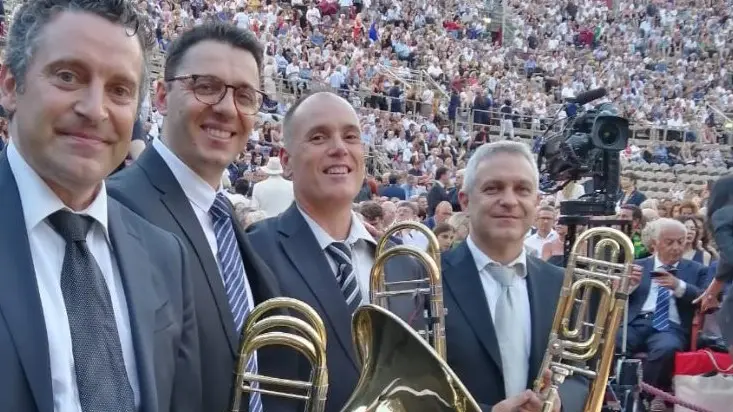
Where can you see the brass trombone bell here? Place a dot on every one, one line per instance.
(306, 336)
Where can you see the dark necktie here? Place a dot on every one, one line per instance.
(660, 320)
(101, 376)
(232, 272)
(345, 274)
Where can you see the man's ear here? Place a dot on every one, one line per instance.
(285, 162)
(161, 97)
(463, 200)
(8, 89)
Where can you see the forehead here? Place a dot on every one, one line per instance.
(324, 111)
(232, 65)
(509, 168)
(671, 232)
(92, 42)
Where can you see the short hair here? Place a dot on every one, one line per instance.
(664, 223)
(489, 150)
(413, 207)
(371, 210)
(439, 172)
(444, 227)
(393, 178)
(459, 219)
(287, 134)
(33, 16)
(546, 208)
(635, 211)
(216, 31)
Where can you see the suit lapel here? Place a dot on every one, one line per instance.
(305, 254)
(177, 203)
(462, 278)
(133, 263)
(20, 302)
(541, 315)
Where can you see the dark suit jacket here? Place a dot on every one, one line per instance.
(473, 348)
(149, 188)
(154, 268)
(636, 198)
(391, 191)
(291, 248)
(436, 195)
(692, 273)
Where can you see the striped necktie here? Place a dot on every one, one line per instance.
(232, 273)
(660, 320)
(345, 274)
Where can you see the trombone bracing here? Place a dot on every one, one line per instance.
(307, 336)
(574, 338)
(430, 288)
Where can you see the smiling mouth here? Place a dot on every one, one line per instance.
(337, 170)
(217, 133)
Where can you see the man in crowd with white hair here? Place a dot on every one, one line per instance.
(661, 307)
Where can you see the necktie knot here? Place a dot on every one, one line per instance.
(340, 252)
(220, 209)
(667, 268)
(72, 227)
(503, 274)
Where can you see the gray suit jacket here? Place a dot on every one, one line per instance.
(473, 346)
(149, 188)
(287, 243)
(154, 270)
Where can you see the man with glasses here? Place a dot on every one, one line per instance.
(210, 100)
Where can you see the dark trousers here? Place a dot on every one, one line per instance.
(660, 347)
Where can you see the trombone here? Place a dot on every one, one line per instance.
(569, 342)
(430, 288)
(309, 338)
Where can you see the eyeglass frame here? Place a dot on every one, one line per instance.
(194, 77)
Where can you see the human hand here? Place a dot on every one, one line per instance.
(708, 300)
(635, 277)
(666, 280)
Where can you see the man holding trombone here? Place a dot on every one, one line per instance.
(500, 301)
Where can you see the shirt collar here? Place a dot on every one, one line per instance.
(482, 260)
(196, 189)
(39, 201)
(356, 232)
(658, 264)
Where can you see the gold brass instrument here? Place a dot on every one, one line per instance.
(569, 341)
(400, 371)
(430, 288)
(309, 339)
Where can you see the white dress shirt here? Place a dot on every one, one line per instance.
(535, 242)
(47, 252)
(493, 289)
(650, 304)
(273, 195)
(359, 241)
(201, 196)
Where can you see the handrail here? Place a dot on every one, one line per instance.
(720, 112)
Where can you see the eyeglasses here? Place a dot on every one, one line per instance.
(211, 90)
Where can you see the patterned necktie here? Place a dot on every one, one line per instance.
(232, 273)
(101, 376)
(510, 332)
(660, 320)
(345, 274)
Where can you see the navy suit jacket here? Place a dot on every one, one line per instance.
(473, 347)
(391, 191)
(154, 268)
(692, 273)
(149, 188)
(288, 244)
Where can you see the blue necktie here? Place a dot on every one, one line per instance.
(345, 274)
(660, 321)
(232, 272)
(99, 366)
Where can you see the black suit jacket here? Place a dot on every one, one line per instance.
(436, 195)
(149, 188)
(154, 268)
(289, 245)
(692, 273)
(473, 347)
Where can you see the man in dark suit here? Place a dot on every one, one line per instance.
(490, 277)
(393, 190)
(438, 193)
(319, 248)
(629, 194)
(96, 305)
(661, 308)
(175, 184)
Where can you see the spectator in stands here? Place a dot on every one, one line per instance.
(274, 194)
(393, 189)
(630, 194)
(693, 249)
(445, 234)
(438, 193)
(545, 233)
(632, 213)
(661, 306)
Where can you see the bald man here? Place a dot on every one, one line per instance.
(443, 212)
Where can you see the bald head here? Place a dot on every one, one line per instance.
(314, 104)
(443, 212)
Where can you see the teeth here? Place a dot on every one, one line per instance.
(337, 170)
(219, 134)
